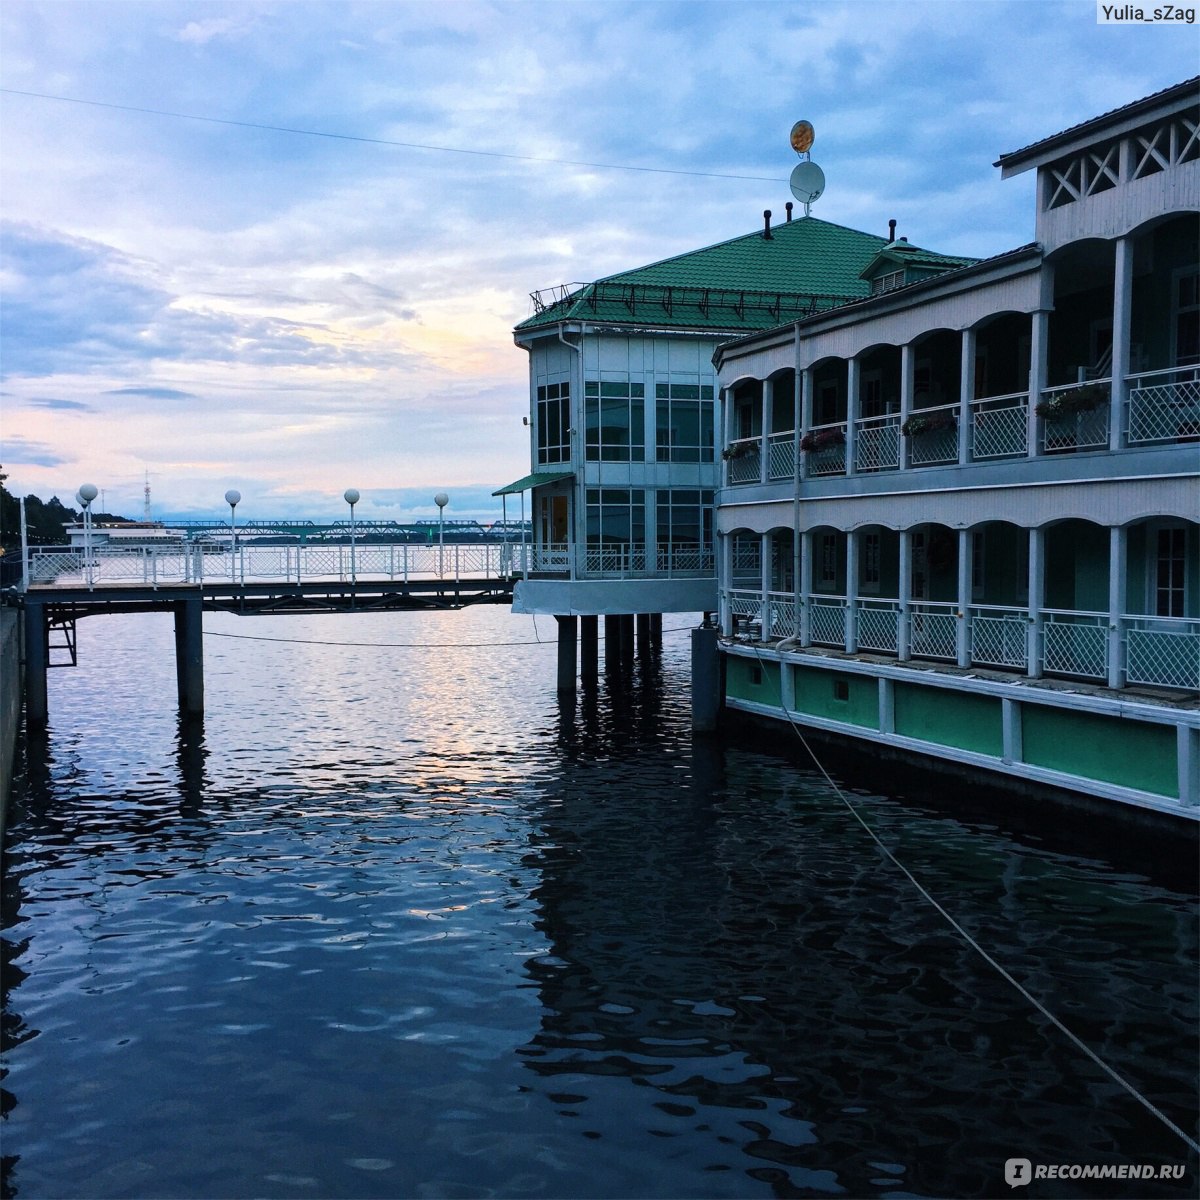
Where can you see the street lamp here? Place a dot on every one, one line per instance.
(87, 493)
(351, 496)
(232, 498)
(441, 500)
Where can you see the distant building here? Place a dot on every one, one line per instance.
(622, 388)
(978, 542)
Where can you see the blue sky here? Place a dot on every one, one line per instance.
(291, 315)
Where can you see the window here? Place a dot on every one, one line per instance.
(684, 422)
(827, 576)
(887, 283)
(553, 417)
(616, 516)
(615, 421)
(977, 571)
(685, 527)
(1170, 552)
(872, 547)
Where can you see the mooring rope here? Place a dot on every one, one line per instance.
(970, 941)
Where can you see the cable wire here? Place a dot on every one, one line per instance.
(1111, 1072)
(370, 141)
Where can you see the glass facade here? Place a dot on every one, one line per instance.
(684, 422)
(615, 421)
(616, 516)
(553, 417)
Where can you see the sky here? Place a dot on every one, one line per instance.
(218, 305)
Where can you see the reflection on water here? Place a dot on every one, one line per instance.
(398, 922)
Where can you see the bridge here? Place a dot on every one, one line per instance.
(61, 585)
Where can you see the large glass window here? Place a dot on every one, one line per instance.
(684, 421)
(553, 418)
(616, 516)
(615, 421)
(685, 527)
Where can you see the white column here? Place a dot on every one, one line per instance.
(966, 393)
(1037, 586)
(966, 545)
(851, 591)
(764, 574)
(908, 368)
(806, 588)
(805, 420)
(904, 598)
(1039, 350)
(725, 579)
(1010, 724)
(724, 418)
(1122, 316)
(852, 407)
(1118, 543)
(768, 412)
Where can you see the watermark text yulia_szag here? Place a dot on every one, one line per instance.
(1139, 14)
(1018, 1172)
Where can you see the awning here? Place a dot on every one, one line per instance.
(531, 481)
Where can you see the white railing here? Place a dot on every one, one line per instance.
(824, 447)
(877, 443)
(1163, 406)
(744, 606)
(154, 566)
(933, 629)
(686, 560)
(827, 620)
(1075, 643)
(998, 636)
(1000, 426)
(779, 615)
(781, 455)
(744, 460)
(1162, 650)
(934, 446)
(1086, 430)
(618, 559)
(551, 558)
(879, 625)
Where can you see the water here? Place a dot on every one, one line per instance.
(394, 922)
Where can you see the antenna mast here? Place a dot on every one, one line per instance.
(146, 499)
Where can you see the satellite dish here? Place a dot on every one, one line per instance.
(807, 183)
(802, 137)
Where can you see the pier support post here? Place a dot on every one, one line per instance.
(567, 632)
(589, 647)
(612, 642)
(706, 679)
(627, 641)
(189, 654)
(656, 631)
(37, 654)
(643, 634)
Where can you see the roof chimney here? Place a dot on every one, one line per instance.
(892, 230)
(788, 207)
(767, 224)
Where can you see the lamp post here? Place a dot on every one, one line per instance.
(232, 497)
(87, 493)
(351, 496)
(441, 500)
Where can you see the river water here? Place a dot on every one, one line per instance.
(394, 921)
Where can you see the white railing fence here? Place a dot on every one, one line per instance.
(1075, 643)
(933, 629)
(936, 445)
(1163, 406)
(1083, 430)
(781, 455)
(999, 637)
(1163, 651)
(877, 444)
(1000, 426)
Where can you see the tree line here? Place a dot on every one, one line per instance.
(46, 521)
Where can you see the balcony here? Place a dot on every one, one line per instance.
(1160, 408)
(1161, 652)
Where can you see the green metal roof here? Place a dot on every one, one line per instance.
(747, 283)
(531, 481)
(903, 255)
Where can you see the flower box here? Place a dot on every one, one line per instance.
(919, 423)
(822, 439)
(1060, 405)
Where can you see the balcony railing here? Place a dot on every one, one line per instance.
(877, 443)
(1156, 651)
(824, 447)
(781, 455)
(744, 460)
(1074, 431)
(938, 443)
(1000, 426)
(1163, 406)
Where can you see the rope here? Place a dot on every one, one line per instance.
(970, 941)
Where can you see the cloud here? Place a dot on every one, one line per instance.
(153, 393)
(199, 33)
(58, 405)
(16, 450)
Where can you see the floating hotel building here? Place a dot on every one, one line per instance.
(622, 402)
(978, 541)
